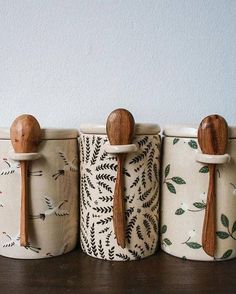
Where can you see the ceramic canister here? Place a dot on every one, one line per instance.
(141, 193)
(185, 179)
(53, 196)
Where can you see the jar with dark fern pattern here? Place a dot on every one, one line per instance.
(141, 194)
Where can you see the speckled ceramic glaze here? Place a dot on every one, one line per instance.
(53, 197)
(184, 193)
(141, 181)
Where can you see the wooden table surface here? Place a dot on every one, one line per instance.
(76, 272)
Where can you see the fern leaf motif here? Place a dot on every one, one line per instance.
(128, 212)
(135, 254)
(87, 147)
(151, 220)
(105, 177)
(142, 142)
(123, 256)
(135, 183)
(96, 150)
(150, 164)
(142, 155)
(104, 186)
(111, 253)
(105, 221)
(139, 232)
(108, 239)
(130, 228)
(101, 250)
(147, 227)
(92, 240)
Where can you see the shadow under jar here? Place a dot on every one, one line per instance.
(53, 196)
(141, 193)
(185, 179)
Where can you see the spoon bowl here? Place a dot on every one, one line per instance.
(25, 134)
(213, 135)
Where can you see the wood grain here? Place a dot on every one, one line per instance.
(25, 136)
(24, 215)
(119, 205)
(76, 272)
(209, 224)
(213, 139)
(120, 131)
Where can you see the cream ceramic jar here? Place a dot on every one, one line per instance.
(141, 181)
(53, 196)
(184, 192)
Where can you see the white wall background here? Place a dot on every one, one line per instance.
(74, 61)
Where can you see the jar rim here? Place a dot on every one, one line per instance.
(47, 134)
(189, 131)
(140, 129)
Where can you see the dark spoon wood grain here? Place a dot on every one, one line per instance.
(25, 135)
(120, 130)
(213, 139)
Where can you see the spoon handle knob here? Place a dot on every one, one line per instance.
(209, 226)
(118, 204)
(24, 205)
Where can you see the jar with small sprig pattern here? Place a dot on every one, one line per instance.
(185, 181)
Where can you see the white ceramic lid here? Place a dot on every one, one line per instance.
(189, 131)
(47, 134)
(140, 129)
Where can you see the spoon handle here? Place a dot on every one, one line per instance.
(209, 226)
(24, 205)
(118, 204)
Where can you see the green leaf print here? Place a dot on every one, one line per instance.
(167, 170)
(175, 180)
(192, 144)
(171, 187)
(167, 241)
(204, 169)
(224, 221)
(222, 235)
(193, 245)
(179, 211)
(163, 229)
(234, 227)
(176, 140)
(178, 180)
(199, 205)
(227, 254)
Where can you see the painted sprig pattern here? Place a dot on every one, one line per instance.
(171, 181)
(141, 176)
(186, 210)
(229, 232)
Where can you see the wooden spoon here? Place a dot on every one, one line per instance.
(120, 131)
(25, 135)
(212, 138)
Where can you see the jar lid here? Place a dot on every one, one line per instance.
(189, 131)
(47, 134)
(140, 129)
